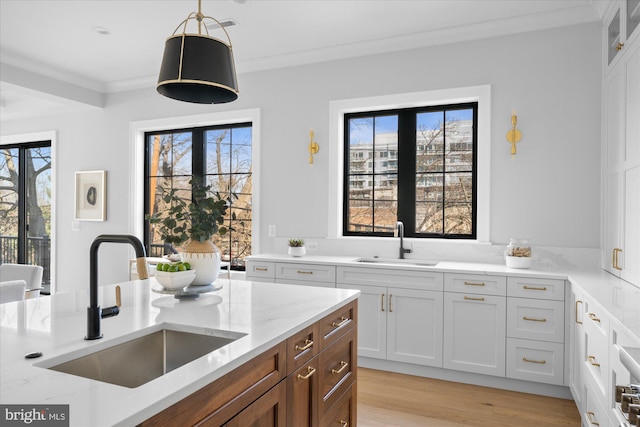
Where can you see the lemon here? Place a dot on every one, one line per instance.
(172, 268)
(181, 267)
(187, 266)
(159, 266)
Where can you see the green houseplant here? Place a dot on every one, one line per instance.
(296, 247)
(194, 222)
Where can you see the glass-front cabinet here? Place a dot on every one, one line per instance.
(621, 26)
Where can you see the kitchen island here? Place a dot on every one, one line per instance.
(264, 317)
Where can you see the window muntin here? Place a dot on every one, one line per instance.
(221, 157)
(416, 165)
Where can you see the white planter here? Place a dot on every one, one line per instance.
(297, 251)
(205, 260)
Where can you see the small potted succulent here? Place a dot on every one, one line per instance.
(296, 247)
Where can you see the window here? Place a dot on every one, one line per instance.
(221, 156)
(25, 205)
(429, 177)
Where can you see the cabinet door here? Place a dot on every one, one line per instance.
(535, 319)
(414, 322)
(302, 395)
(372, 320)
(268, 411)
(475, 333)
(576, 348)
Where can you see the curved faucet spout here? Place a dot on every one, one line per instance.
(94, 312)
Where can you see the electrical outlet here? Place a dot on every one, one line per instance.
(312, 246)
(272, 231)
(75, 225)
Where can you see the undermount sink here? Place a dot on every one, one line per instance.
(139, 360)
(422, 263)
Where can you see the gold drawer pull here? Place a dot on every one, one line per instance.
(540, 362)
(473, 299)
(343, 366)
(534, 288)
(592, 360)
(590, 416)
(304, 272)
(382, 303)
(310, 371)
(578, 302)
(342, 321)
(343, 423)
(390, 309)
(593, 317)
(307, 345)
(474, 284)
(533, 319)
(262, 269)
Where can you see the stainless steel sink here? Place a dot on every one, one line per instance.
(397, 261)
(139, 360)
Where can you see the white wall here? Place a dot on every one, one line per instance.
(549, 193)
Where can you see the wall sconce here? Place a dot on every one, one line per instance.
(313, 147)
(514, 135)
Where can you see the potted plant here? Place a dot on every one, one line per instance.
(194, 222)
(296, 247)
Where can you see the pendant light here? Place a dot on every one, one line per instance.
(197, 67)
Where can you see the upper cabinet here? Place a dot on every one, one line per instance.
(620, 26)
(621, 144)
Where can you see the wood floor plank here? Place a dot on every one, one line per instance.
(387, 399)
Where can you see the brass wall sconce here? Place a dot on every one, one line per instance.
(313, 147)
(514, 135)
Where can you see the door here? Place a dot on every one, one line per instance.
(475, 333)
(25, 205)
(414, 320)
(268, 411)
(372, 320)
(576, 348)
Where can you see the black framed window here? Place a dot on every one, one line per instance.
(415, 165)
(220, 156)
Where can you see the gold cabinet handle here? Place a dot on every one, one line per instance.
(261, 269)
(307, 345)
(592, 360)
(343, 366)
(578, 321)
(343, 423)
(473, 299)
(590, 416)
(118, 297)
(540, 362)
(382, 303)
(533, 319)
(390, 309)
(535, 288)
(619, 47)
(614, 258)
(310, 371)
(474, 283)
(342, 321)
(304, 272)
(593, 317)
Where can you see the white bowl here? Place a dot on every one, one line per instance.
(518, 262)
(176, 280)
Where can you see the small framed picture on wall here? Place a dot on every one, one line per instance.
(91, 196)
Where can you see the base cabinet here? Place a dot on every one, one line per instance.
(307, 380)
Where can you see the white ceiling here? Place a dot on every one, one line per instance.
(51, 55)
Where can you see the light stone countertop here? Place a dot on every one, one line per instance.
(56, 325)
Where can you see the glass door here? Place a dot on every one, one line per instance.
(25, 206)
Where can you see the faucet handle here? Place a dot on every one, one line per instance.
(141, 267)
(118, 295)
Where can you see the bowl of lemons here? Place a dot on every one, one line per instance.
(175, 276)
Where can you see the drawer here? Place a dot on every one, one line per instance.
(332, 327)
(372, 276)
(535, 319)
(305, 283)
(535, 288)
(343, 413)
(537, 361)
(596, 358)
(475, 284)
(337, 365)
(302, 347)
(594, 413)
(306, 272)
(262, 269)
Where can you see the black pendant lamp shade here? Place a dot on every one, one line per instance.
(197, 68)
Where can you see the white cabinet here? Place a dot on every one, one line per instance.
(621, 154)
(398, 322)
(621, 23)
(261, 271)
(306, 274)
(576, 347)
(475, 324)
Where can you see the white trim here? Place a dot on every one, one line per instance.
(136, 166)
(337, 109)
(52, 136)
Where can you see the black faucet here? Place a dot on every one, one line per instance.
(94, 312)
(399, 232)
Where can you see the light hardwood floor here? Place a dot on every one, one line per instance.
(396, 400)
